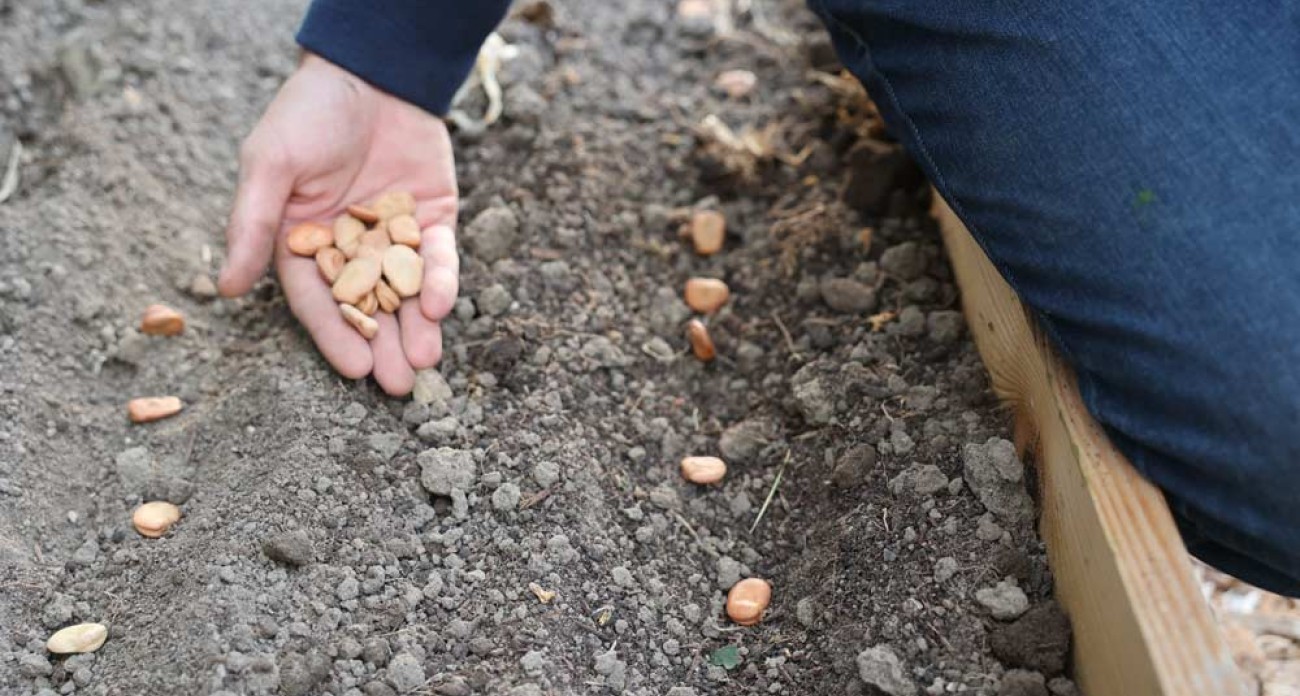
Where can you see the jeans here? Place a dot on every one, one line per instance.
(1133, 169)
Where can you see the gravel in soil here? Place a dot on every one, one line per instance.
(520, 526)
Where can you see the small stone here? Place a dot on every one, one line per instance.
(444, 470)
(299, 674)
(430, 388)
(134, 468)
(911, 322)
(944, 569)
(904, 261)
(546, 473)
(1060, 686)
(1039, 640)
(386, 445)
(806, 611)
(377, 651)
(854, 466)
(744, 441)
(1019, 682)
(812, 397)
(347, 589)
(880, 668)
(493, 300)
(506, 497)
(945, 325)
(848, 296)
(996, 475)
(292, 548)
(405, 673)
(1004, 601)
(492, 234)
(987, 529)
(202, 287)
(919, 479)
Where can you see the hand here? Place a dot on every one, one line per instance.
(329, 140)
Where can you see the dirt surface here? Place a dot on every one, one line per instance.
(338, 541)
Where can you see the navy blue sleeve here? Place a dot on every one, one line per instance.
(418, 50)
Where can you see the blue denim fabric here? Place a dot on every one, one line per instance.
(1133, 169)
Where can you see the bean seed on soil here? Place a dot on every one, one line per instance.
(161, 320)
(155, 518)
(703, 470)
(149, 409)
(81, 638)
(701, 343)
(706, 295)
(307, 238)
(708, 230)
(747, 601)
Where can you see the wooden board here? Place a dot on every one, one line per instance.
(1141, 625)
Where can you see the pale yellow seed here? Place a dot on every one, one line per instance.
(404, 270)
(154, 519)
(394, 203)
(369, 304)
(81, 638)
(356, 279)
(708, 230)
(403, 229)
(388, 300)
(703, 470)
(347, 234)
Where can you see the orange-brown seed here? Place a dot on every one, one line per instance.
(330, 261)
(394, 203)
(364, 213)
(364, 325)
(347, 234)
(701, 344)
(388, 300)
(152, 408)
(369, 304)
(703, 470)
(747, 601)
(154, 519)
(708, 230)
(161, 320)
(706, 295)
(307, 238)
(403, 229)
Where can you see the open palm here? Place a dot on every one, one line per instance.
(329, 140)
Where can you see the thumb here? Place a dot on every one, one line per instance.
(265, 183)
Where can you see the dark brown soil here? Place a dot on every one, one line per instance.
(576, 399)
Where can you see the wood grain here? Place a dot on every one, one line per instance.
(1141, 626)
